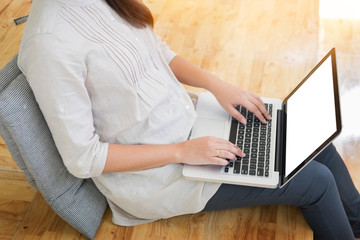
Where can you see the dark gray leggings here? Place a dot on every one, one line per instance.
(323, 190)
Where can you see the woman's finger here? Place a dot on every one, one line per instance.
(219, 161)
(225, 154)
(254, 109)
(257, 101)
(228, 150)
(236, 114)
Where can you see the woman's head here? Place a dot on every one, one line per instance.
(133, 11)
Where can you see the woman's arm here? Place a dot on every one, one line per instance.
(229, 96)
(204, 150)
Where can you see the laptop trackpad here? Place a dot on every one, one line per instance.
(209, 127)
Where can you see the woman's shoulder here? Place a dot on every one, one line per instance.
(47, 19)
(47, 31)
(43, 18)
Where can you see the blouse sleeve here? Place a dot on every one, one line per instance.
(57, 77)
(165, 50)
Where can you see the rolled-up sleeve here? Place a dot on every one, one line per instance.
(57, 77)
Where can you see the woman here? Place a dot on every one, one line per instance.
(112, 95)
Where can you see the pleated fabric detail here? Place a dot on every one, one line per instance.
(132, 50)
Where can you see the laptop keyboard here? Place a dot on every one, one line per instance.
(254, 139)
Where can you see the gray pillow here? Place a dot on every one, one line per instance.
(29, 140)
(9, 72)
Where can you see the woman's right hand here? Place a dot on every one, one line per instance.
(208, 150)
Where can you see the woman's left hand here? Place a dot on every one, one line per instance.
(230, 96)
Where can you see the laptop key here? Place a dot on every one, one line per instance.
(237, 167)
(254, 139)
(244, 169)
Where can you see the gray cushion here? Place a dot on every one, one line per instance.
(15, 153)
(9, 72)
(7, 75)
(29, 140)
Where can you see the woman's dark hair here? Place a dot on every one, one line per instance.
(133, 11)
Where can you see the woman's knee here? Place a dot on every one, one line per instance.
(312, 183)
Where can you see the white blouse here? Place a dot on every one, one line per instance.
(98, 80)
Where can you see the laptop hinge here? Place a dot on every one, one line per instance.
(280, 143)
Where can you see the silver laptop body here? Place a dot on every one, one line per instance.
(213, 120)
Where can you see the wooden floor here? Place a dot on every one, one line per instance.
(264, 46)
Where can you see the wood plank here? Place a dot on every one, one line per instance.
(15, 195)
(224, 39)
(10, 34)
(8, 228)
(6, 161)
(41, 222)
(247, 223)
(15, 198)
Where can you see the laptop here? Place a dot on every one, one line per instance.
(302, 126)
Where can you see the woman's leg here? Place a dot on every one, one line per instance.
(349, 195)
(313, 190)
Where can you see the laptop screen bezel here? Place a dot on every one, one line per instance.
(332, 55)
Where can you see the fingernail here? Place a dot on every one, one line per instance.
(243, 121)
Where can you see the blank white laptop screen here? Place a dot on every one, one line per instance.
(311, 116)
